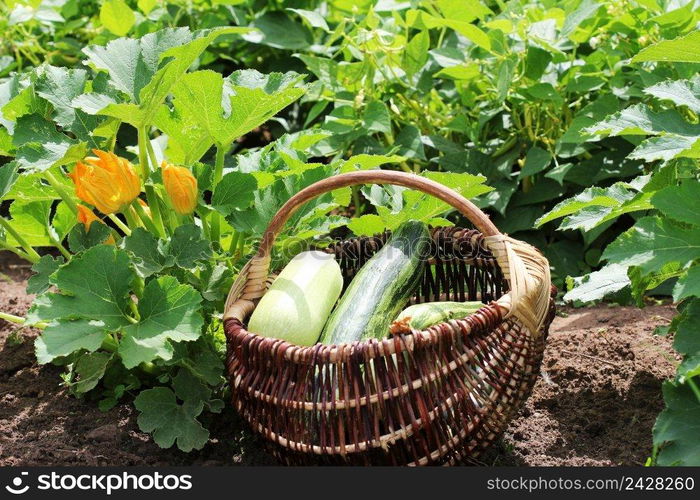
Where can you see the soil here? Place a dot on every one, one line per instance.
(595, 403)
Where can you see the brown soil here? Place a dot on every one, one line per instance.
(595, 404)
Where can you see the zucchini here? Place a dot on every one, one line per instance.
(421, 316)
(298, 303)
(381, 287)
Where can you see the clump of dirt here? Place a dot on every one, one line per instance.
(595, 404)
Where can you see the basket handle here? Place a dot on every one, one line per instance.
(526, 270)
(456, 200)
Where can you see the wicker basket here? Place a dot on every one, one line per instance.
(438, 396)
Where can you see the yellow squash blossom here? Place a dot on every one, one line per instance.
(181, 187)
(86, 217)
(106, 181)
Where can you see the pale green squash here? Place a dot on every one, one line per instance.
(299, 301)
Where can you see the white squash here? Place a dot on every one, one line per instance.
(299, 301)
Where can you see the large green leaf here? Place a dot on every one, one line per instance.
(41, 146)
(598, 284)
(8, 176)
(680, 202)
(93, 285)
(40, 281)
(227, 109)
(234, 192)
(117, 17)
(688, 284)
(653, 242)
(639, 119)
(169, 312)
(147, 68)
(680, 92)
(148, 254)
(66, 337)
(682, 49)
(170, 421)
(677, 428)
(188, 246)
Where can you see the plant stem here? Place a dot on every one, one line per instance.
(218, 175)
(31, 253)
(234, 242)
(151, 196)
(125, 229)
(19, 320)
(145, 219)
(694, 387)
(132, 217)
(58, 187)
(15, 250)
(60, 247)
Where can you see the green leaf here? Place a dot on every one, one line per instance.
(680, 202)
(40, 281)
(585, 10)
(66, 337)
(687, 337)
(188, 247)
(93, 285)
(416, 54)
(690, 367)
(598, 284)
(410, 143)
(603, 199)
(315, 19)
(536, 160)
(377, 118)
(677, 427)
(90, 368)
(639, 119)
(471, 32)
(40, 146)
(188, 141)
(367, 225)
(665, 148)
(234, 192)
(31, 220)
(134, 67)
(148, 255)
(688, 284)
(653, 242)
(276, 29)
(8, 177)
(170, 421)
(251, 99)
(117, 17)
(169, 312)
(680, 92)
(80, 238)
(60, 86)
(682, 49)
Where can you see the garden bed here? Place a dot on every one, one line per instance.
(595, 404)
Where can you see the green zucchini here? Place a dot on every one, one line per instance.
(299, 301)
(381, 287)
(421, 316)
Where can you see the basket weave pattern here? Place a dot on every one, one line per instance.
(438, 396)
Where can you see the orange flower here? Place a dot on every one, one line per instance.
(181, 187)
(106, 181)
(86, 217)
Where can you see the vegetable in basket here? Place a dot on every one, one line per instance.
(422, 316)
(298, 303)
(381, 288)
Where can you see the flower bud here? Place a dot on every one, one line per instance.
(181, 187)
